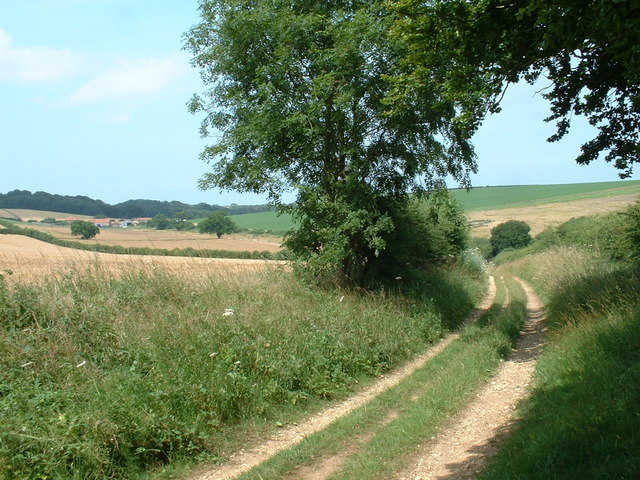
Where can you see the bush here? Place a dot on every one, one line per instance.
(630, 242)
(432, 231)
(511, 234)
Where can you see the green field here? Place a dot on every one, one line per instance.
(269, 222)
(489, 198)
(478, 198)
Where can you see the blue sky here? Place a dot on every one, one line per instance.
(93, 102)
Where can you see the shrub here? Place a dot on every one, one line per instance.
(630, 242)
(511, 234)
(426, 232)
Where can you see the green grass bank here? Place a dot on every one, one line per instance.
(105, 377)
(582, 419)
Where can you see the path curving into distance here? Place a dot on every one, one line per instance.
(461, 450)
(246, 459)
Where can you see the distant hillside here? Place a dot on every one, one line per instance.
(81, 205)
(487, 198)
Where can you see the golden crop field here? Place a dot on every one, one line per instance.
(32, 259)
(38, 215)
(167, 239)
(25, 258)
(541, 217)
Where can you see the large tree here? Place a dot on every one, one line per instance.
(218, 223)
(300, 99)
(84, 229)
(588, 52)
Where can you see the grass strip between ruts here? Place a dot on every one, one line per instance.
(408, 415)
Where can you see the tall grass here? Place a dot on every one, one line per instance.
(104, 376)
(582, 420)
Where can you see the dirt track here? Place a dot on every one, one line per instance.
(461, 449)
(246, 459)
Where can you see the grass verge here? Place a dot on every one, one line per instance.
(108, 377)
(582, 419)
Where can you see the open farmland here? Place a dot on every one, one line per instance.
(541, 217)
(520, 203)
(265, 221)
(166, 239)
(30, 259)
(37, 215)
(491, 198)
(541, 206)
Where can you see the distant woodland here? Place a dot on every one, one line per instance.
(81, 205)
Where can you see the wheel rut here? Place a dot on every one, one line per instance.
(246, 459)
(461, 449)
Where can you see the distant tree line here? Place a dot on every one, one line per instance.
(81, 205)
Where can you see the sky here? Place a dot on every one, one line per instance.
(93, 100)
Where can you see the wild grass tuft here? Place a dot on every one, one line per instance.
(105, 376)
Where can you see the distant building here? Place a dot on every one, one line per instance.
(101, 222)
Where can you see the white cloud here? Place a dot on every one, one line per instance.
(131, 78)
(34, 64)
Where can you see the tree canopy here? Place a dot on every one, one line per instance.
(218, 223)
(587, 50)
(81, 205)
(301, 99)
(84, 229)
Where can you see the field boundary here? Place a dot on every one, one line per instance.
(12, 229)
